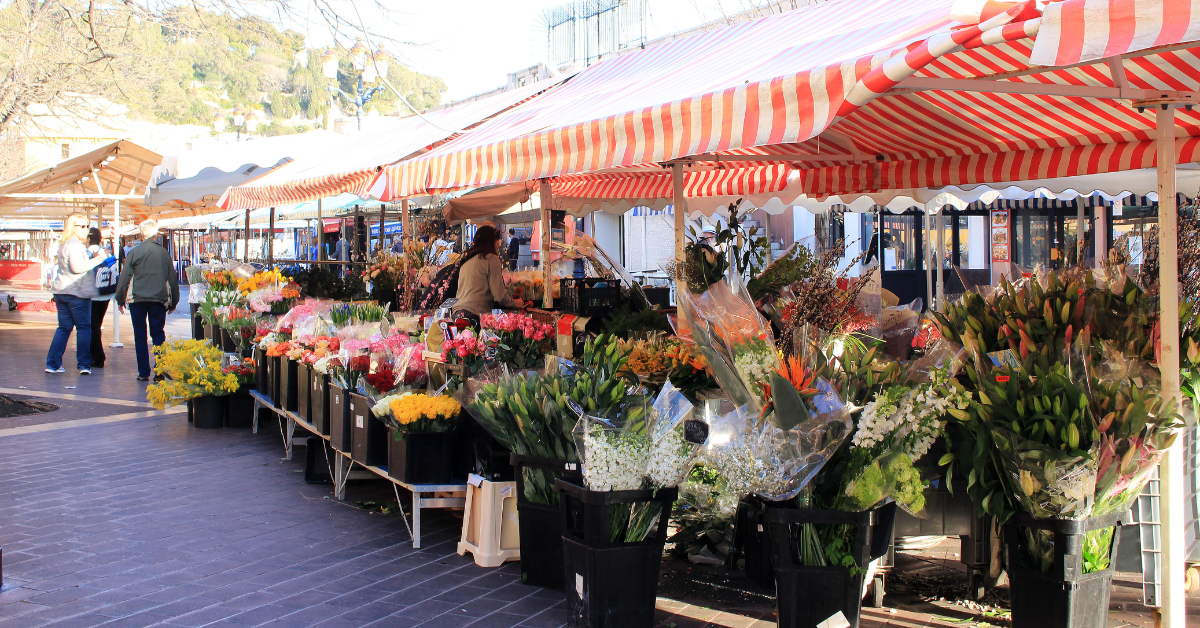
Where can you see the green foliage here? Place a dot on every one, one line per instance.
(626, 323)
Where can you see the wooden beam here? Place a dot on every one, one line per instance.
(69, 196)
(917, 84)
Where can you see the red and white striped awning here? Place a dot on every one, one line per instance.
(860, 95)
(354, 165)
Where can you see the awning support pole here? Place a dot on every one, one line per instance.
(271, 241)
(1171, 468)
(547, 266)
(405, 228)
(679, 206)
(382, 224)
(246, 257)
(354, 245)
(930, 221)
(320, 233)
(940, 232)
(116, 238)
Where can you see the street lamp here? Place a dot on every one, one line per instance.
(251, 122)
(239, 121)
(218, 122)
(369, 68)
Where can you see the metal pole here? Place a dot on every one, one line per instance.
(247, 256)
(1100, 233)
(405, 227)
(271, 241)
(354, 245)
(679, 205)
(941, 269)
(931, 222)
(320, 233)
(382, 223)
(547, 271)
(116, 251)
(1170, 470)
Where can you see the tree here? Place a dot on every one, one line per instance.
(147, 53)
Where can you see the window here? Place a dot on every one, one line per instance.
(66, 151)
(898, 248)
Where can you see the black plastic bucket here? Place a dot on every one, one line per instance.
(208, 412)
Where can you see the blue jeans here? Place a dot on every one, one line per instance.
(156, 314)
(72, 312)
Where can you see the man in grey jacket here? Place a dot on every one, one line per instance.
(154, 293)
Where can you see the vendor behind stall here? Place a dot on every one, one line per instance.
(481, 280)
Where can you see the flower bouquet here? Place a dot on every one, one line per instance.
(241, 324)
(192, 368)
(522, 341)
(244, 371)
(529, 414)
(635, 446)
(658, 358)
(417, 412)
(464, 354)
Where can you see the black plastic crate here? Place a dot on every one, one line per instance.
(752, 542)
(580, 295)
(368, 435)
(339, 418)
(318, 401)
(303, 388)
(1063, 596)
(807, 596)
(587, 514)
(289, 380)
(540, 525)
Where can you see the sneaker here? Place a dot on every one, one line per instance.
(61, 369)
(142, 378)
(85, 371)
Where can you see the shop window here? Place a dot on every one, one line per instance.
(899, 243)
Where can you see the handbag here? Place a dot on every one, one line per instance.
(107, 278)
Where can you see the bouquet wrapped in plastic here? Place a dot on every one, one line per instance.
(734, 339)
(633, 446)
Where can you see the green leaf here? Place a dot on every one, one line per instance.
(790, 410)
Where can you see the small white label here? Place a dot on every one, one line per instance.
(836, 620)
(760, 527)
(506, 491)
(358, 420)
(315, 384)
(571, 466)
(579, 585)
(475, 480)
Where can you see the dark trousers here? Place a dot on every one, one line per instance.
(73, 313)
(156, 315)
(99, 309)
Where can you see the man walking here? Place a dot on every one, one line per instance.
(514, 249)
(149, 282)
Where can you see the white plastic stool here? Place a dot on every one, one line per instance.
(489, 529)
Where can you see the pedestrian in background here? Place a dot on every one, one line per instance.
(106, 285)
(151, 288)
(514, 249)
(73, 286)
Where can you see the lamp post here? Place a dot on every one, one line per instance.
(239, 121)
(369, 68)
(218, 123)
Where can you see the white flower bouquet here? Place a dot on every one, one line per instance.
(637, 447)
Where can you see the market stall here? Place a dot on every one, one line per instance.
(811, 468)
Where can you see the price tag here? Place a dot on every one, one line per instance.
(1002, 378)
(695, 431)
(579, 585)
(358, 420)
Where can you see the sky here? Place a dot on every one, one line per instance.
(473, 44)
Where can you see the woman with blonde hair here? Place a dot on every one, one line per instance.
(73, 288)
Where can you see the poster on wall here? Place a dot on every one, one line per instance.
(1000, 238)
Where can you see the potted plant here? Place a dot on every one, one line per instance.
(192, 373)
(421, 443)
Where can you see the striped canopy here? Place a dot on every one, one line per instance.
(858, 95)
(353, 165)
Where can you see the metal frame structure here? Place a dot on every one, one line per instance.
(343, 470)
